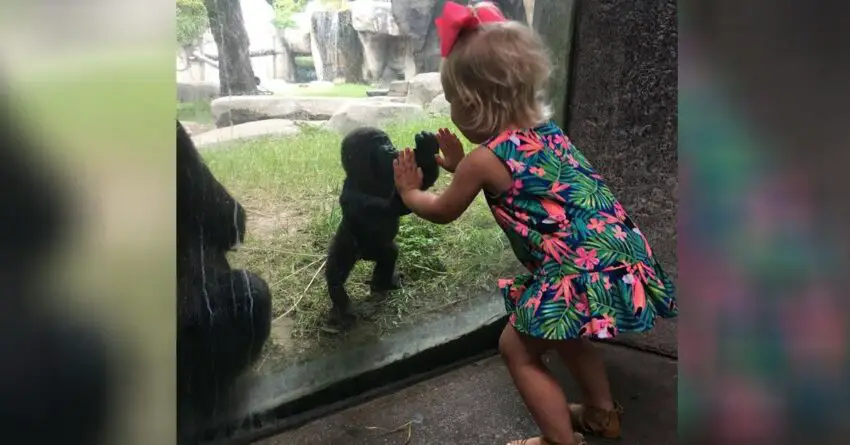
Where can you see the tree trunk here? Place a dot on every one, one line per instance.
(228, 29)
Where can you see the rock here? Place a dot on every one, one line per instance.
(377, 93)
(415, 19)
(190, 127)
(373, 17)
(315, 124)
(424, 88)
(529, 11)
(197, 91)
(398, 88)
(350, 52)
(335, 45)
(384, 56)
(284, 60)
(196, 127)
(373, 113)
(250, 130)
(427, 57)
(241, 109)
(324, 44)
(398, 100)
(298, 36)
(440, 106)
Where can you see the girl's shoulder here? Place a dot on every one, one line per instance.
(518, 136)
(510, 143)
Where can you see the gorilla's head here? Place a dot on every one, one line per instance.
(365, 152)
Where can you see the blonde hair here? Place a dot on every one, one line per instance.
(498, 74)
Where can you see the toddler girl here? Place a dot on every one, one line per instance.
(591, 272)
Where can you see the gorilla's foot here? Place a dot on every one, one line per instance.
(339, 321)
(392, 284)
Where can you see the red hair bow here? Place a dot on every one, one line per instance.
(456, 18)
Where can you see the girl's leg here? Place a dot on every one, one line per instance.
(598, 415)
(541, 392)
(586, 366)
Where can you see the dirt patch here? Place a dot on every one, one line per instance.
(272, 223)
(281, 333)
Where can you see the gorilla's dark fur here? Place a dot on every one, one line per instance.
(57, 374)
(371, 209)
(224, 315)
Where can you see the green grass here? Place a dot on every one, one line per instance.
(290, 187)
(195, 112)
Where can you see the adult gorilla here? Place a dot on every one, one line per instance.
(223, 315)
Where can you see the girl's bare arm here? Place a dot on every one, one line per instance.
(480, 169)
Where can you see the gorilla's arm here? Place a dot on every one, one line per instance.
(398, 206)
(354, 200)
(199, 190)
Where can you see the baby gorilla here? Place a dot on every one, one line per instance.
(371, 209)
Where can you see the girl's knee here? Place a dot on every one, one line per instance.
(508, 343)
(512, 348)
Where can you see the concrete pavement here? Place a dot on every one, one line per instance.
(478, 405)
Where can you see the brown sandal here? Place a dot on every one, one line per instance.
(599, 422)
(579, 440)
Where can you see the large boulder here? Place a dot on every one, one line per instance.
(386, 49)
(384, 56)
(399, 100)
(350, 52)
(193, 128)
(373, 17)
(424, 88)
(197, 91)
(440, 106)
(415, 19)
(250, 130)
(374, 114)
(324, 44)
(233, 110)
(398, 88)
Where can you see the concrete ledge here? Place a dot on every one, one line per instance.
(302, 392)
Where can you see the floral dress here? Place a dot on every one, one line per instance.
(591, 271)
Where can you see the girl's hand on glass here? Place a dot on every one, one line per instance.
(451, 149)
(408, 176)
